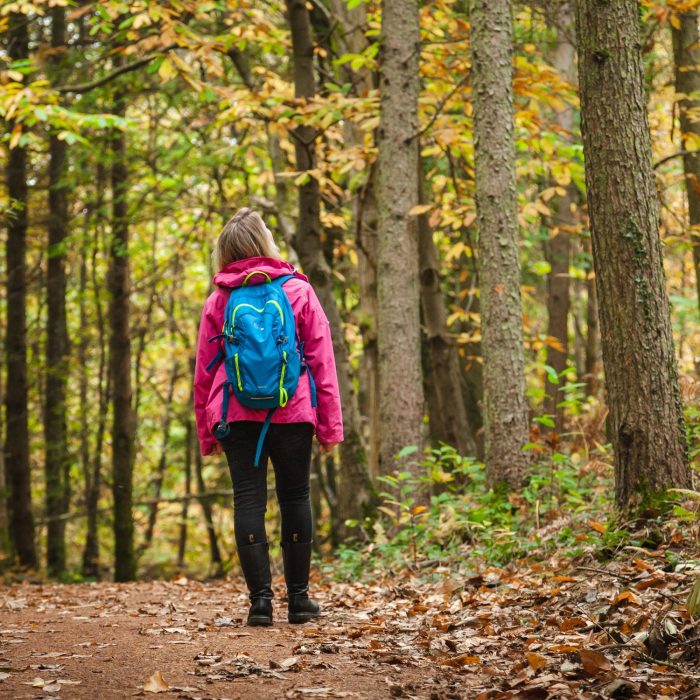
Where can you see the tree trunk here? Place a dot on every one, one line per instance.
(366, 223)
(398, 280)
(646, 417)
(593, 353)
(165, 439)
(16, 418)
(189, 447)
(446, 411)
(563, 224)
(354, 487)
(214, 552)
(57, 465)
(352, 39)
(686, 54)
(5, 542)
(505, 409)
(93, 475)
(120, 358)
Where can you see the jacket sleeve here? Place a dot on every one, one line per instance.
(204, 379)
(315, 332)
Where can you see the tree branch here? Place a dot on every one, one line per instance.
(675, 155)
(126, 68)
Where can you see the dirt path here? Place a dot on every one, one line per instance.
(107, 640)
(533, 632)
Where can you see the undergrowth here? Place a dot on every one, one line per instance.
(565, 508)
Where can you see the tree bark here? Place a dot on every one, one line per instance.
(18, 475)
(354, 487)
(93, 474)
(505, 409)
(398, 285)
(366, 224)
(564, 223)
(646, 417)
(352, 39)
(120, 358)
(447, 413)
(214, 551)
(686, 54)
(165, 439)
(593, 353)
(189, 447)
(57, 463)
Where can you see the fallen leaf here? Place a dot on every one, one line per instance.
(536, 661)
(572, 623)
(285, 664)
(563, 649)
(223, 621)
(156, 684)
(593, 662)
(692, 605)
(627, 597)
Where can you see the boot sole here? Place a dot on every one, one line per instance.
(301, 618)
(259, 622)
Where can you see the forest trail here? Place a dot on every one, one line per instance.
(532, 632)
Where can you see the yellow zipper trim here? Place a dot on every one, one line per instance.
(269, 301)
(238, 372)
(283, 392)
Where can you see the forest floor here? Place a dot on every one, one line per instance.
(533, 630)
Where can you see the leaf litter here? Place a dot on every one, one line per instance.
(547, 629)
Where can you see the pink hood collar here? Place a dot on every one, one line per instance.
(234, 273)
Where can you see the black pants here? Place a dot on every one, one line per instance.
(288, 445)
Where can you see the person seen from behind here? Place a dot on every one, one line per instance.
(265, 383)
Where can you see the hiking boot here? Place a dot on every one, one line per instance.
(255, 562)
(297, 561)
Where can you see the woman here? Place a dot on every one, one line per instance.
(246, 253)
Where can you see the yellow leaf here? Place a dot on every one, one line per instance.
(675, 21)
(420, 209)
(166, 70)
(417, 510)
(16, 136)
(693, 603)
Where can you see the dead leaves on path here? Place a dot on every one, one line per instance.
(529, 631)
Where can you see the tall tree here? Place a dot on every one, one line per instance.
(16, 418)
(120, 353)
(398, 285)
(646, 417)
(505, 407)
(353, 490)
(447, 414)
(56, 464)
(364, 218)
(563, 223)
(686, 54)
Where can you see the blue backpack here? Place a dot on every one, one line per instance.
(261, 352)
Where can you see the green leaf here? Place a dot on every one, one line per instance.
(405, 451)
(545, 420)
(551, 374)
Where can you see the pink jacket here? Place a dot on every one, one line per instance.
(313, 330)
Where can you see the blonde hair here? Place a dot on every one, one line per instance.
(244, 236)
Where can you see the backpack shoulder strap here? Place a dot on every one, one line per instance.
(279, 281)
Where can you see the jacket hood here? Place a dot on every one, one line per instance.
(234, 274)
